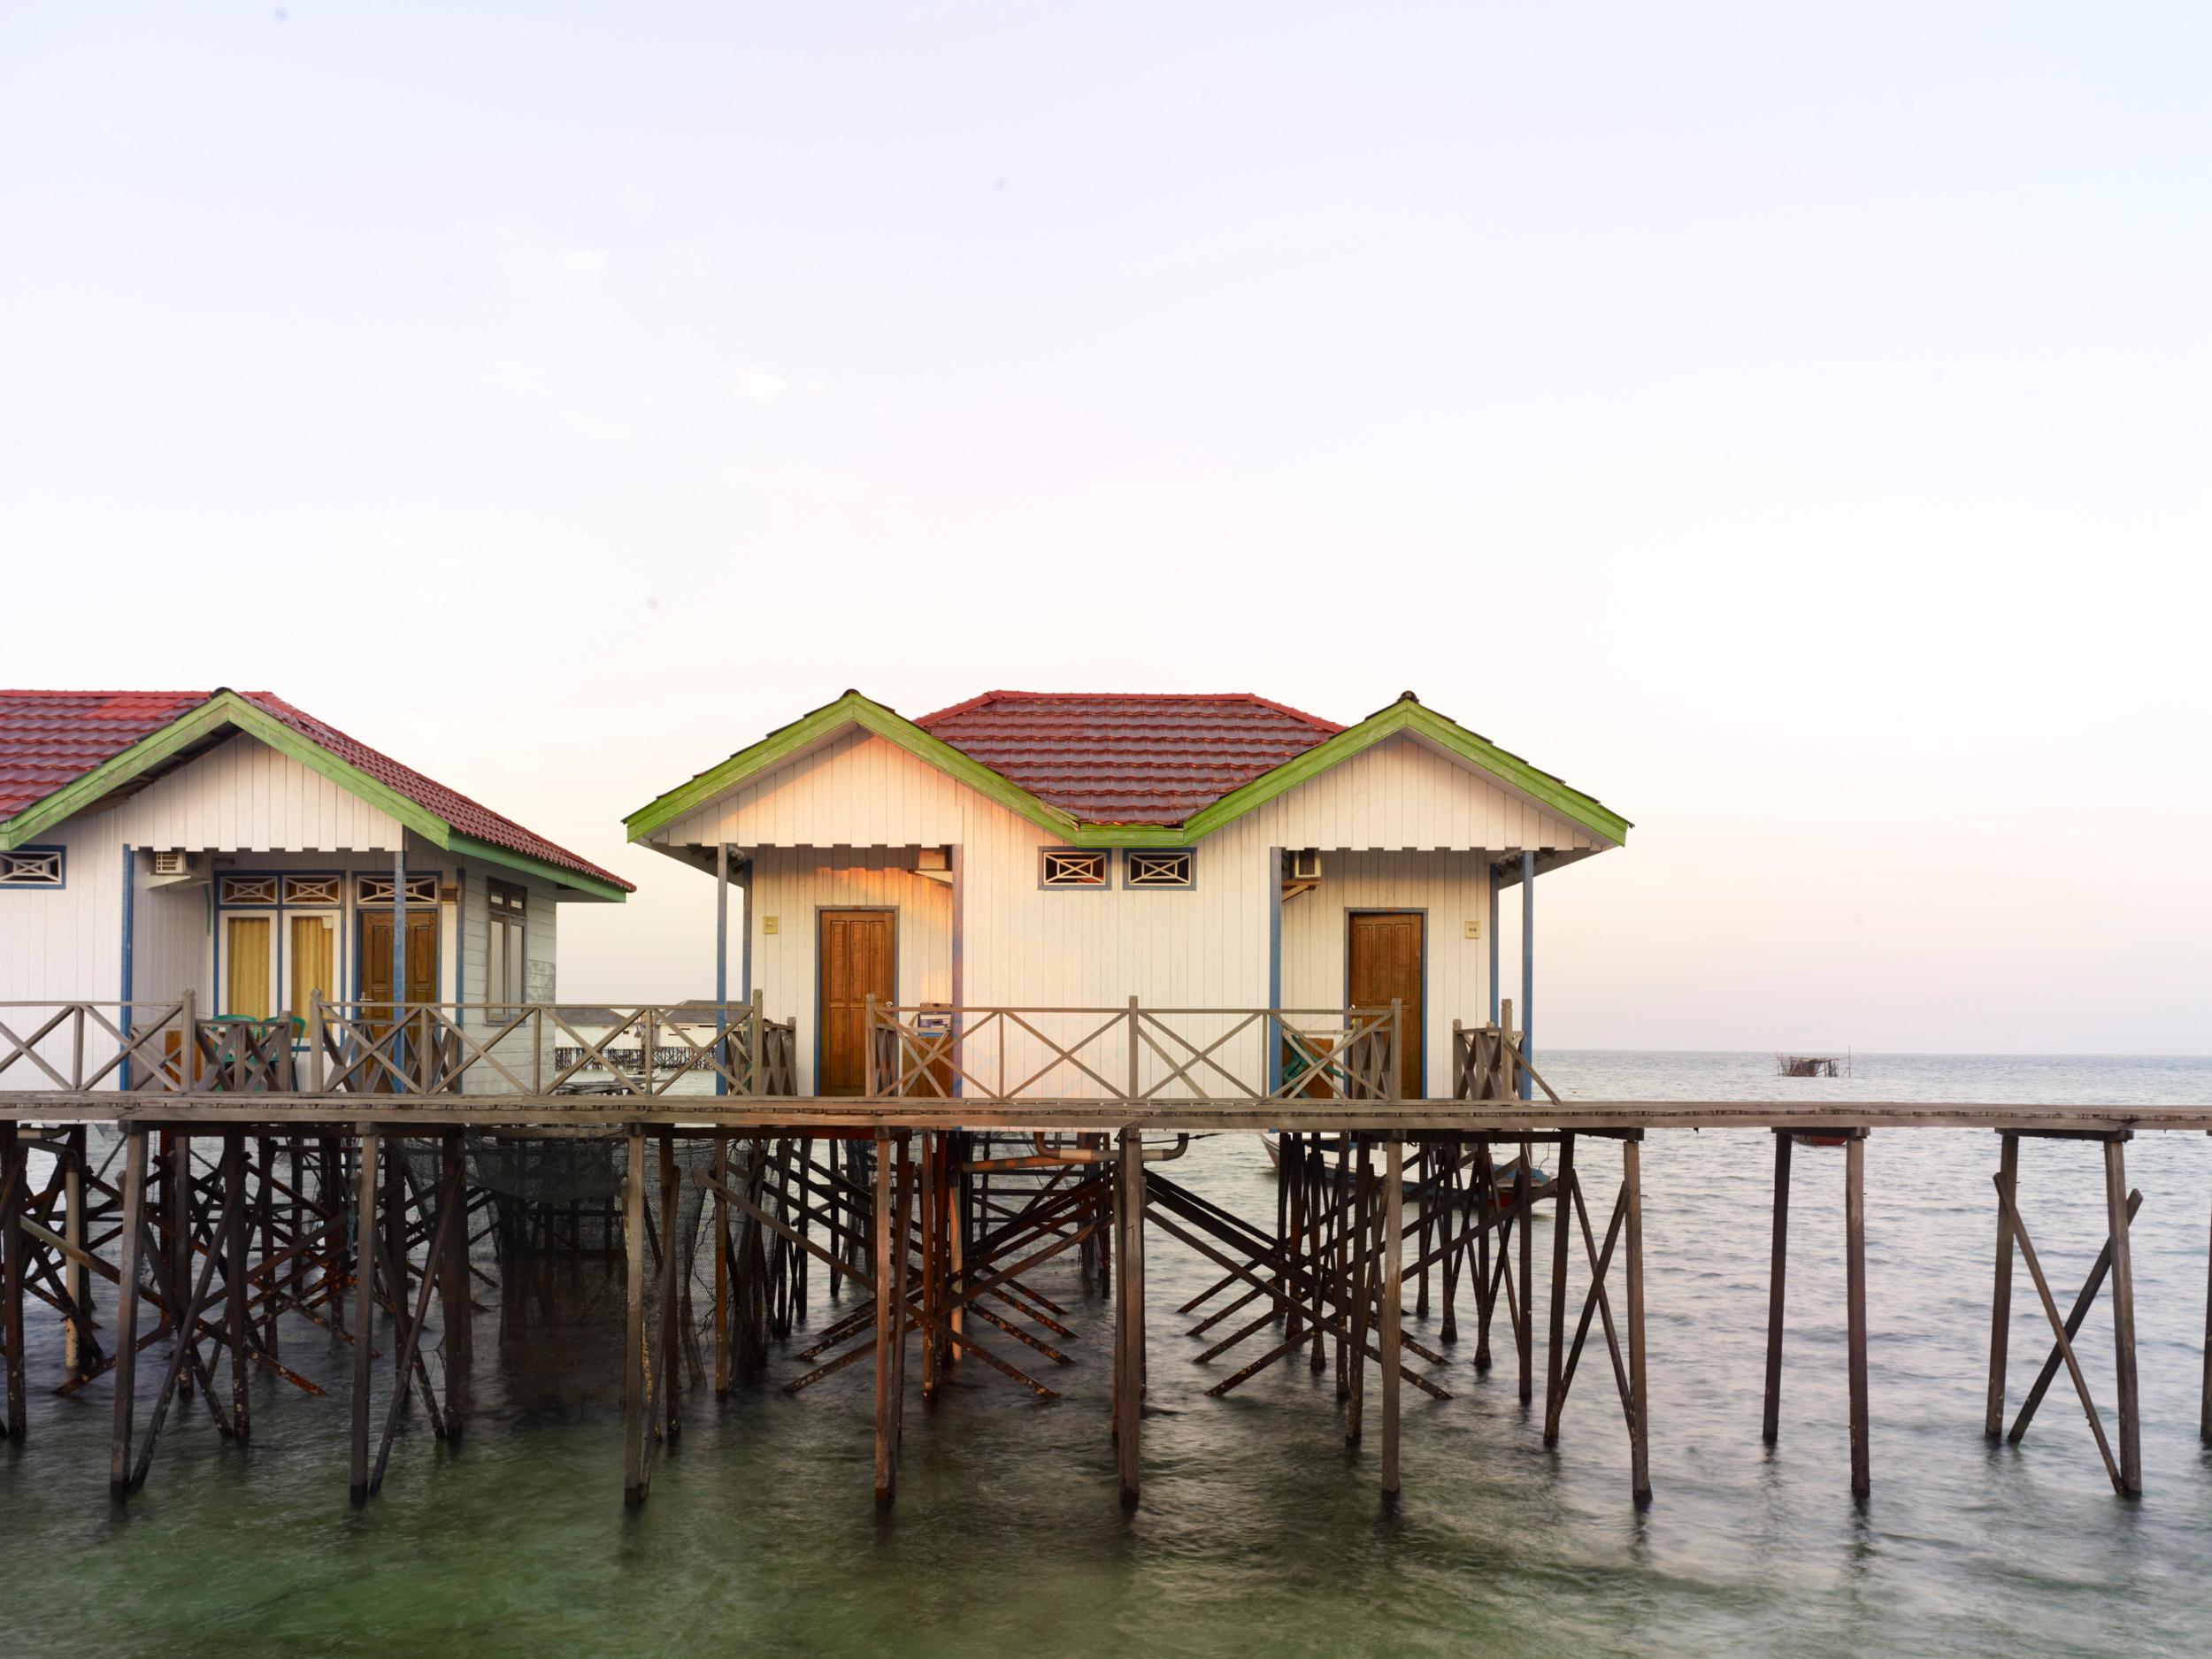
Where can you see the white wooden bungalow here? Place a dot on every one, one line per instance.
(228, 846)
(1071, 851)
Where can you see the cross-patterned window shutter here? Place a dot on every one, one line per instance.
(1148, 869)
(1070, 867)
(33, 867)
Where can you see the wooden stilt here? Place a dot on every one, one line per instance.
(128, 1250)
(1777, 1275)
(1129, 1321)
(2204, 1393)
(1556, 1337)
(2082, 1304)
(1525, 1326)
(363, 1306)
(2000, 1297)
(1393, 1271)
(721, 1218)
(1854, 1294)
(457, 1303)
(637, 1395)
(14, 1183)
(76, 1336)
(235, 1332)
(2115, 1197)
(1485, 1200)
(890, 1293)
(673, 1267)
(1639, 1427)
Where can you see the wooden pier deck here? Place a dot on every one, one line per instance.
(344, 1180)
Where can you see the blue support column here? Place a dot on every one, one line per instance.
(1528, 968)
(745, 946)
(129, 973)
(721, 960)
(958, 865)
(1493, 925)
(399, 944)
(1273, 1039)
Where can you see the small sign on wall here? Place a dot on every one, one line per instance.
(767, 924)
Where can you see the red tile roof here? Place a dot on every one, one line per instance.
(1141, 758)
(48, 739)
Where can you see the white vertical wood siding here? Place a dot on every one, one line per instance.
(857, 790)
(242, 795)
(65, 944)
(1452, 889)
(1402, 794)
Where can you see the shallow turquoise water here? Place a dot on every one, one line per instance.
(1259, 1532)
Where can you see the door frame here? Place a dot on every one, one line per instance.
(1421, 1030)
(363, 914)
(820, 911)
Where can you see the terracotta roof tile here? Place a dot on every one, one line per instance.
(48, 739)
(1128, 758)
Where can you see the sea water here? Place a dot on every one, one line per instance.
(1260, 1532)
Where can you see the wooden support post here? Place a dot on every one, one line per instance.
(1778, 1276)
(2115, 1197)
(15, 1160)
(1556, 1337)
(2001, 1298)
(1393, 1271)
(128, 1250)
(672, 1270)
(1129, 1314)
(1484, 1197)
(1525, 1224)
(721, 1214)
(1854, 1294)
(1639, 1393)
(636, 1396)
(457, 1304)
(235, 1334)
(2204, 1395)
(364, 1304)
(890, 1273)
(76, 1276)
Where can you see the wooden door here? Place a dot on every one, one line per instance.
(422, 956)
(1384, 951)
(857, 956)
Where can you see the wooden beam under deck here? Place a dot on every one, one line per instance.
(787, 1114)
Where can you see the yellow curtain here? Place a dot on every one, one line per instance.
(246, 985)
(312, 942)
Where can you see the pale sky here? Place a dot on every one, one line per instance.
(1788, 422)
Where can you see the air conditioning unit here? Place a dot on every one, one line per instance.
(174, 869)
(1305, 864)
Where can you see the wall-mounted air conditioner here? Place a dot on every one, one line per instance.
(172, 868)
(1305, 864)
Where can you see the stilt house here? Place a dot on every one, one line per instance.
(231, 847)
(1059, 853)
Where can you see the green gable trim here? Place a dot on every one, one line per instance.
(590, 886)
(227, 708)
(1409, 717)
(851, 709)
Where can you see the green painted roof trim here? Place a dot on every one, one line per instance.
(228, 708)
(1405, 715)
(850, 709)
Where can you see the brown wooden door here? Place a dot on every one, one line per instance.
(857, 957)
(1385, 948)
(376, 957)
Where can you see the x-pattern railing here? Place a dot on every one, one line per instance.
(1133, 1053)
(76, 1047)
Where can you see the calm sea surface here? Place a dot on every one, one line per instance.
(1259, 1532)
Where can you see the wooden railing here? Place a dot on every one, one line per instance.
(543, 1048)
(1489, 1063)
(1135, 1053)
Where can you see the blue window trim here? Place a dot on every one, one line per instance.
(61, 856)
(1106, 886)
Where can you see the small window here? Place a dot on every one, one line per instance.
(32, 867)
(1156, 869)
(506, 916)
(250, 889)
(1067, 867)
(378, 890)
(311, 889)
